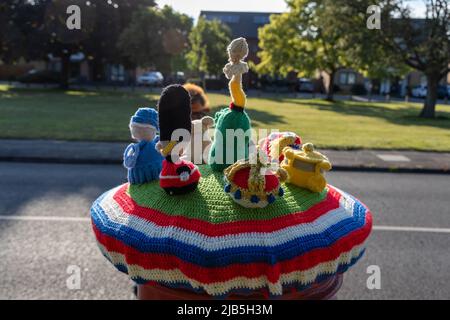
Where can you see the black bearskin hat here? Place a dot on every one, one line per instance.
(174, 108)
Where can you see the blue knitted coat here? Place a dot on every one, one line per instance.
(143, 161)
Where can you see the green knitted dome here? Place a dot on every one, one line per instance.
(209, 202)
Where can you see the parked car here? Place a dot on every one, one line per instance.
(176, 77)
(40, 76)
(421, 92)
(278, 84)
(153, 78)
(305, 85)
(442, 92)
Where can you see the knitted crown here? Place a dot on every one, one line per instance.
(174, 108)
(146, 116)
(251, 186)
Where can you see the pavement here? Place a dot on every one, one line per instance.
(45, 233)
(72, 152)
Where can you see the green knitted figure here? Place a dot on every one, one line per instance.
(229, 118)
(223, 152)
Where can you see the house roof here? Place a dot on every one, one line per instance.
(242, 24)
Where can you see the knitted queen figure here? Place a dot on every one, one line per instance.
(141, 159)
(223, 153)
(177, 176)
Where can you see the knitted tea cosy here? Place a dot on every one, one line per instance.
(206, 242)
(208, 230)
(306, 167)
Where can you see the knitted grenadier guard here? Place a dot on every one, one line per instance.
(143, 161)
(177, 176)
(223, 152)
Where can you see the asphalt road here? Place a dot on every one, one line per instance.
(36, 252)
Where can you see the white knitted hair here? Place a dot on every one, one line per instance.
(142, 131)
(237, 50)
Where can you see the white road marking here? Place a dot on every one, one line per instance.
(44, 218)
(411, 229)
(393, 158)
(87, 219)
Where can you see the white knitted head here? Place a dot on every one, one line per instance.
(237, 50)
(142, 131)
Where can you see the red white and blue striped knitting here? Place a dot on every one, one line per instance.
(205, 242)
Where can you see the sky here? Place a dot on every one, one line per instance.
(193, 7)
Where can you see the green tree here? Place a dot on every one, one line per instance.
(110, 20)
(303, 41)
(11, 39)
(37, 29)
(419, 44)
(208, 47)
(156, 38)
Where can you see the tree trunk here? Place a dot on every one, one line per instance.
(330, 89)
(429, 106)
(65, 72)
(203, 78)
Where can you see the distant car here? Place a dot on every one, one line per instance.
(421, 92)
(175, 78)
(305, 85)
(442, 92)
(40, 76)
(153, 78)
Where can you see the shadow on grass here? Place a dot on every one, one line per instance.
(257, 115)
(403, 116)
(79, 92)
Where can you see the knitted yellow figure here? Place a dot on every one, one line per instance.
(237, 52)
(306, 167)
(224, 152)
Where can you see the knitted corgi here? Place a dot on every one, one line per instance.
(199, 101)
(141, 159)
(224, 152)
(177, 176)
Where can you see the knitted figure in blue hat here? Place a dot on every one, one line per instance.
(143, 161)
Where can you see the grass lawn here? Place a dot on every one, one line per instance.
(104, 116)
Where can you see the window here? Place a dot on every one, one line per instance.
(351, 78)
(347, 78)
(261, 19)
(228, 18)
